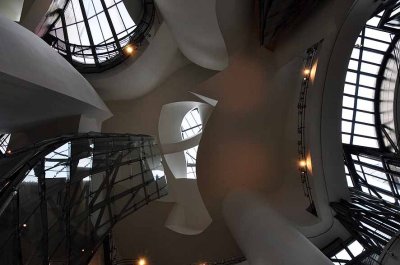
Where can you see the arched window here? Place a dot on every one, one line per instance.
(191, 124)
(95, 35)
(368, 125)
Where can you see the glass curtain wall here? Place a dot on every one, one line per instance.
(368, 109)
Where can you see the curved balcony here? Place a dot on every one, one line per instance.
(60, 198)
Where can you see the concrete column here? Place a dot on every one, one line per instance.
(264, 236)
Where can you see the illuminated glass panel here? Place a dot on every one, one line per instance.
(349, 252)
(191, 124)
(4, 141)
(358, 121)
(93, 34)
(190, 156)
(362, 117)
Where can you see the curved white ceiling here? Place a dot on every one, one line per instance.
(195, 27)
(38, 83)
(134, 78)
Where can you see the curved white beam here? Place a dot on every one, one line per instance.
(38, 84)
(200, 40)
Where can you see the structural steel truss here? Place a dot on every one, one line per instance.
(59, 199)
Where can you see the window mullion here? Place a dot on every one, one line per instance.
(66, 39)
(86, 21)
(114, 33)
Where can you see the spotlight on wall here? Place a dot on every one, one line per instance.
(303, 163)
(142, 261)
(130, 49)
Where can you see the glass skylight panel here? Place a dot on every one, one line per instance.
(366, 105)
(377, 45)
(366, 130)
(347, 114)
(364, 141)
(55, 162)
(99, 31)
(4, 141)
(372, 57)
(366, 80)
(190, 156)
(365, 117)
(369, 68)
(191, 124)
(366, 92)
(349, 89)
(348, 102)
(343, 255)
(346, 126)
(356, 248)
(30, 177)
(378, 34)
(373, 21)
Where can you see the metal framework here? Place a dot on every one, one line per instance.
(373, 222)
(4, 140)
(59, 199)
(309, 61)
(92, 34)
(370, 138)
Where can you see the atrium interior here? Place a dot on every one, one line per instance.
(213, 132)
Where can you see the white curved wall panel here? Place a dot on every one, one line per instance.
(195, 27)
(38, 84)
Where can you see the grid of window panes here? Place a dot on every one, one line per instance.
(4, 141)
(190, 156)
(387, 95)
(374, 176)
(349, 252)
(358, 119)
(97, 39)
(191, 124)
(57, 164)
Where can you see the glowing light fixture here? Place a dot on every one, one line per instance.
(306, 71)
(302, 163)
(24, 225)
(130, 49)
(142, 261)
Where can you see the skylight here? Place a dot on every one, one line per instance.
(367, 127)
(191, 156)
(4, 141)
(191, 124)
(349, 252)
(96, 32)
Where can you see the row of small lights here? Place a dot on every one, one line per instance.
(303, 162)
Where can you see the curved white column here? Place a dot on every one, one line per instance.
(264, 236)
